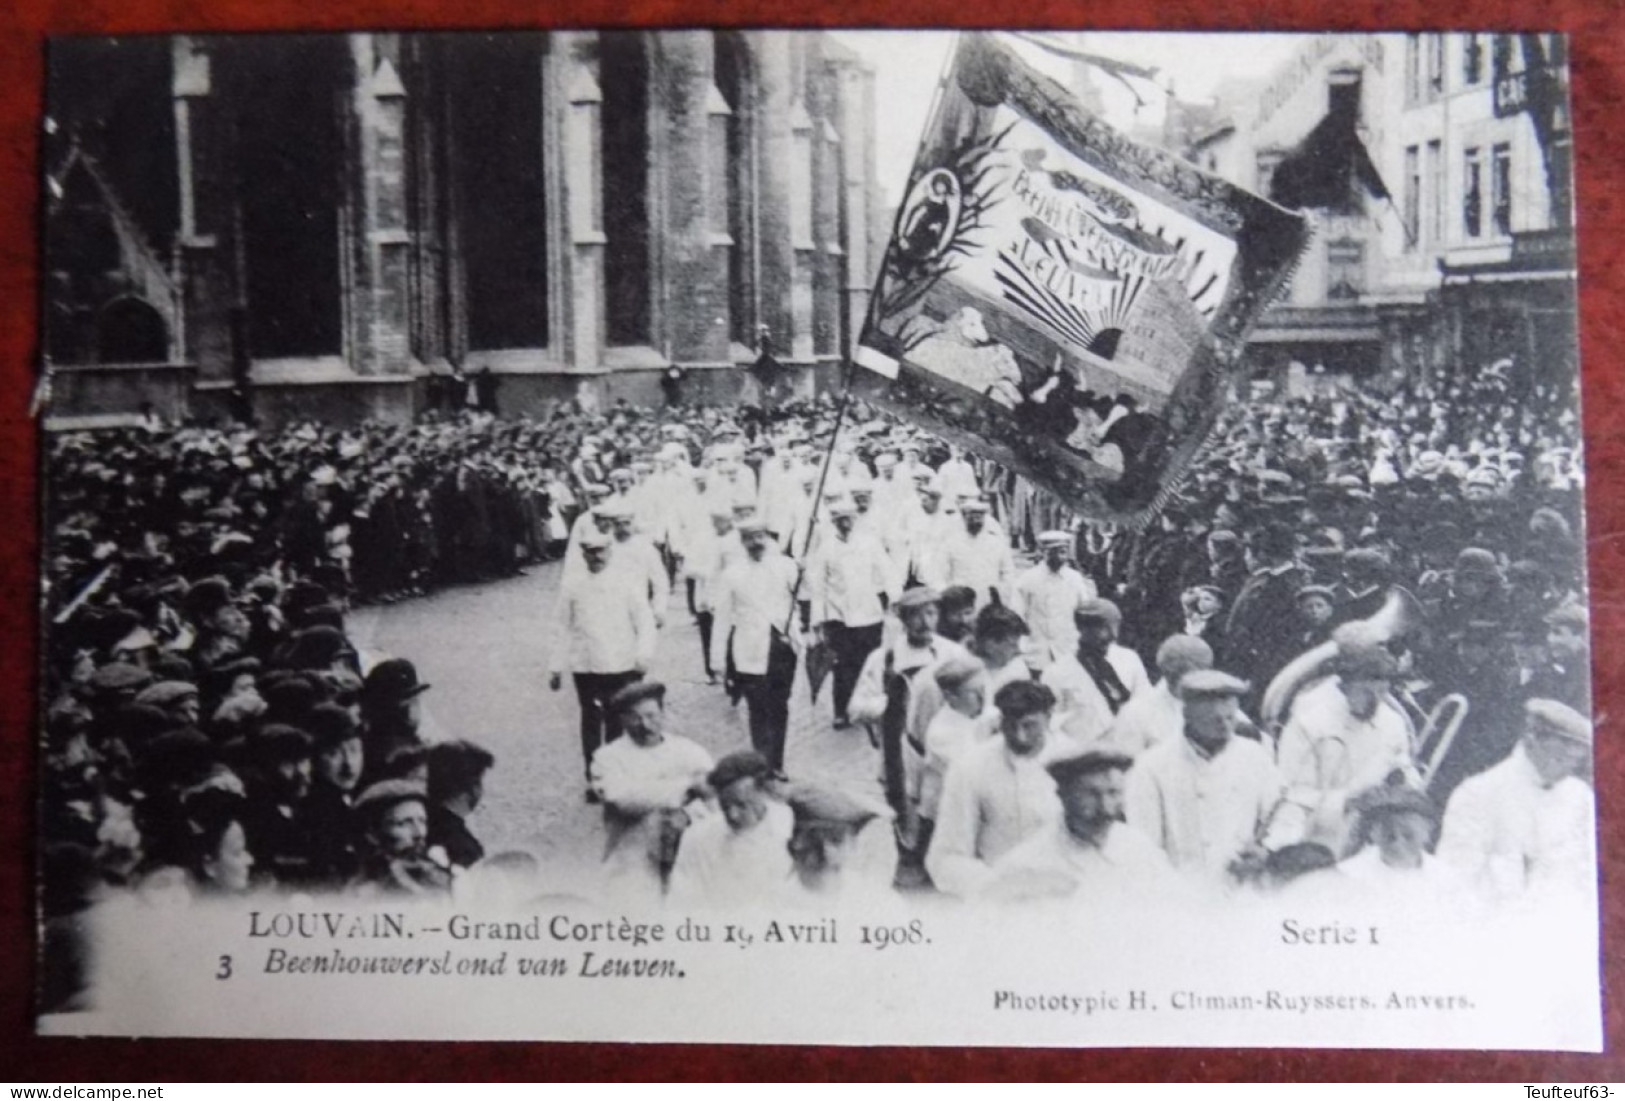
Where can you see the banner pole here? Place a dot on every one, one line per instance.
(818, 492)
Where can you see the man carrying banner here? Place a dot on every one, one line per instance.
(754, 605)
(850, 581)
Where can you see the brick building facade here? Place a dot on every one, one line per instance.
(340, 218)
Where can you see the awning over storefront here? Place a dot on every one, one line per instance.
(1354, 324)
(1540, 256)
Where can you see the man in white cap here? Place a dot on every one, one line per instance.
(892, 488)
(1529, 823)
(1089, 851)
(1157, 715)
(958, 476)
(1207, 798)
(997, 794)
(707, 554)
(637, 557)
(849, 582)
(740, 855)
(909, 466)
(1096, 680)
(967, 718)
(605, 639)
(1396, 827)
(860, 490)
(1050, 593)
(930, 530)
(782, 496)
(979, 559)
(754, 603)
(589, 519)
(645, 780)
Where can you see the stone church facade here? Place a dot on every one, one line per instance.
(330, 222)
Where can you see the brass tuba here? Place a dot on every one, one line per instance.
(1398, 617)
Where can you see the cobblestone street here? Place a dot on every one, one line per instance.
(485, 648)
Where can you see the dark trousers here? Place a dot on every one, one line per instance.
(850, 646)
(598, 725)
(767, 696)
(704, 621)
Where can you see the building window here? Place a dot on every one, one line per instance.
(623, 78)
(1413, 195)
(1472, 193)
(288, 91)
(801, 179)
(1345, 269)
(1413, 68)
(1435, 52)
(1501, 189)
(1435, 192)
(1472, 59)
(734, 81)
(496, 114)
(1501, 56)
(1562, 204)
(717, 143)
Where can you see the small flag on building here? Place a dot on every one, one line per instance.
(1061, 299)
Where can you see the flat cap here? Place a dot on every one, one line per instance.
(166, 693)
(956, 670)
(1182, 654)
(1055, 539)
(751, 522)
(818, 805)
(119, 676)
(1557, 719)
(1478, 562)
(1393, 796)
(918, 597)
(973, 504)
(387, 793)
(1210, 683)
(635, 693)
(1099, 608)
(1086, 762)
(616, 507)
(744, 764)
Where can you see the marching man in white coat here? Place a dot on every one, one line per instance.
(1529, 823)
(607, 639)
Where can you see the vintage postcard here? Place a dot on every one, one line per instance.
(752, 536)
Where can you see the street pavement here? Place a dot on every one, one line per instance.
(484, 649)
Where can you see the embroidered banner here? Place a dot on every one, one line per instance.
(1061, 299)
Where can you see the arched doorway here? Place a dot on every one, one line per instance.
(130, 330)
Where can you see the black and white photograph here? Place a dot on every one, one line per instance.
(840, 536)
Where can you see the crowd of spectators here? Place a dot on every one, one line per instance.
(209, 724)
